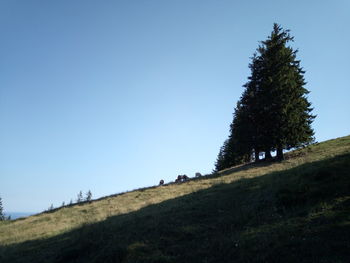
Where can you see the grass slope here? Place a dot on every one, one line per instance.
(297, 210)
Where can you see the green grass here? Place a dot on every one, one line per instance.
(297, 210)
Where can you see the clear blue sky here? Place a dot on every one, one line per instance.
(115, 95)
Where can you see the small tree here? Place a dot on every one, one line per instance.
(88, 196)
(50, 208)
(80, 197)
(2, 215)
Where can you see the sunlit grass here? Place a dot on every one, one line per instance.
(268, 202)
(64, 219)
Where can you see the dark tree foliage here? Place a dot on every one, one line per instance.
(51, 207)
(235, 149)
(282, 102)
(88, 196)
(273, 112)
(220, 163)
(80, 197)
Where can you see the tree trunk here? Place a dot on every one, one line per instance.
(256, 156)
(268, 155)
(280, 156)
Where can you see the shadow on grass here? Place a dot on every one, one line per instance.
(297, 215)
(246, 166)
(227, 171)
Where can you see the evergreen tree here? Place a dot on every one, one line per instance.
(235, 149)
(242, 135)
(80, 197)
(51, 207)
(88, 196)
(282, 103)
(273, 112)
(256, 107)
(2, 214)
(222, 161)
(219, 160)
(250, 111)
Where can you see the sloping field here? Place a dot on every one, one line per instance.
(295, 210)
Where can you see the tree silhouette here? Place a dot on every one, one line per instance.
(273, 112)
(282, 105)
(80, 197)
(88, 196)
(2, 215)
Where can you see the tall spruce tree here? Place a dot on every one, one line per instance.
(242, 133)
(283, 106)
(277, 112)
(273, 112)
(236, 149)
(221, 161)
(253, 119)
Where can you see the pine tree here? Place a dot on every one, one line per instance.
(244, 138)
(2, 215)
(282, 101)
(273, 112)
(242, 135)
(222, 161)
(88, 196)
(250, 135)
(278, 114)
(51, 207)
(80, 197)
(219, 160)
(236, 149)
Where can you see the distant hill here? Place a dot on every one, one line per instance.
(16, 215)
(297, 210)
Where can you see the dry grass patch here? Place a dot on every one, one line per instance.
(65, 219)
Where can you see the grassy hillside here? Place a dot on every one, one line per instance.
(297, 210)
